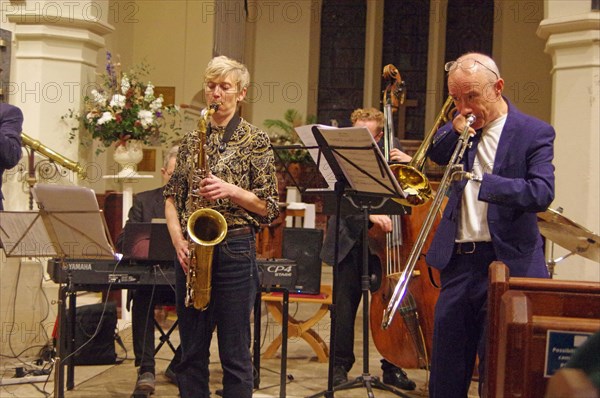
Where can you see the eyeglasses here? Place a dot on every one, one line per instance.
(225, 87)
(467, 63)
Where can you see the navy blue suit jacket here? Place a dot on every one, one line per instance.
(11, 124)
(520, 185)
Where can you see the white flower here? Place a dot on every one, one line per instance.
(125, 85)
(156, 105)
(118, 101)
(106, 117)
(146, 118)
(149, 93)
(98, 98)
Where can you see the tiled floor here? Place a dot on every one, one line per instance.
(305, 375)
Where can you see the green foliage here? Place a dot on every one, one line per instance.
(122, 107)
(282, 133)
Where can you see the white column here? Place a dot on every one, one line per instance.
(54, 51)
(572, 34)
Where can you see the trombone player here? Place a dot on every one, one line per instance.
(239, 185)
(490, 214)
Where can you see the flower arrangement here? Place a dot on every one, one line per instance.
(285, 135)
(124, 107)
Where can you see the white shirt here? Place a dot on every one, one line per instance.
(473, 225)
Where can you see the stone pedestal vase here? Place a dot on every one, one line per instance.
(128, 156)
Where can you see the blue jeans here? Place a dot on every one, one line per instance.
(234, 287)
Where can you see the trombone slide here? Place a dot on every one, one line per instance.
(453, 169)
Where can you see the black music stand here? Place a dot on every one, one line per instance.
(357, 162)
(284, 336)
(63, 229)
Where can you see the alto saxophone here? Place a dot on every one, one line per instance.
(205, 227)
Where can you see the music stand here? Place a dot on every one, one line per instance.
(147, 241)
(73, 228)
(356, 161)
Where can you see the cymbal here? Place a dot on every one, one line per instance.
(568, 234)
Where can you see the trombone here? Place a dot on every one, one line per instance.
(411, 177)
(453, 169)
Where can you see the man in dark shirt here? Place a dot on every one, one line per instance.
(349, 267)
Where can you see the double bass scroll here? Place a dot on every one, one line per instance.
(393, 96)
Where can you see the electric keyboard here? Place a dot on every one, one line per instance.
(86, 273)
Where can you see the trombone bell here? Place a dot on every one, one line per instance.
(414, 183)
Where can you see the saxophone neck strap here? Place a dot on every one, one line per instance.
(229, 129)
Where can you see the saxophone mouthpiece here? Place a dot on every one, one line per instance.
(212, 108)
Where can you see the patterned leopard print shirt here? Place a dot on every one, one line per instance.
(247, 162)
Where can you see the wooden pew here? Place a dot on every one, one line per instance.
(520, 312)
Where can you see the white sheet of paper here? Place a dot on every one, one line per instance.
(308, 139)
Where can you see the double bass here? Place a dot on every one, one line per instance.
(407, 342)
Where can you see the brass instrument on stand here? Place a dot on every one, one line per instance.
(205, 227)
(37, 146)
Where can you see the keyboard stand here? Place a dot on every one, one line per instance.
(165, 337)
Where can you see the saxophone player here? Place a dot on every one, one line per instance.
(241, 185)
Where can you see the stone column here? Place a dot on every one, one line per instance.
(572, 34)
(55, 51)
(54, 55)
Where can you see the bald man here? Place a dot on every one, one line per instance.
(490, 215)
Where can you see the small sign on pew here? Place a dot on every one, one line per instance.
(560, 346)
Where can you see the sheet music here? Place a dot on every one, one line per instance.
(375, 176)
(308, 139)
(75, 217)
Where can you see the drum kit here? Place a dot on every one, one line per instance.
(569, 235)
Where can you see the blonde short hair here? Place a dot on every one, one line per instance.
(368, 114)
(223, 66)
